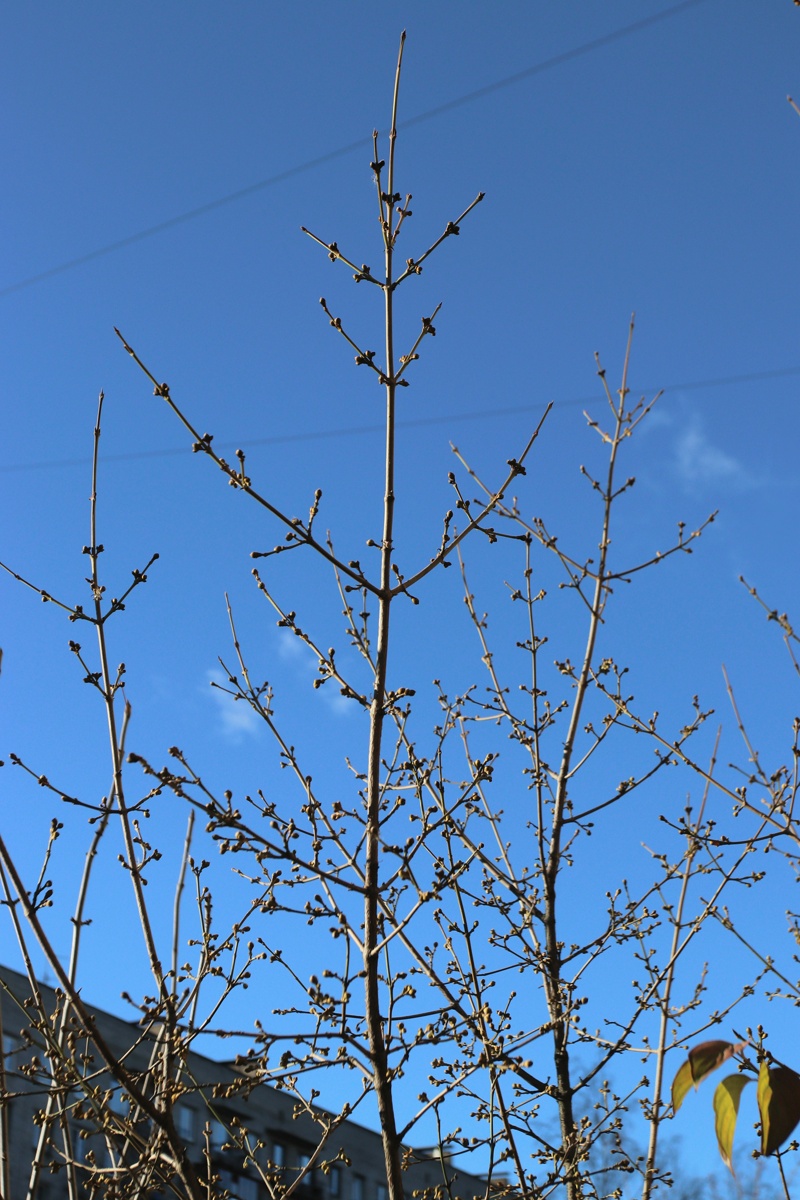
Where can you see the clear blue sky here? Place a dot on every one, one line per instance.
(656, 169)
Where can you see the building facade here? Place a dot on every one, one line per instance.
(237, 1129)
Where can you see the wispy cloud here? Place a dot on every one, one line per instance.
(291, 648)
(300, 658)
(236, 718)
(700, 463)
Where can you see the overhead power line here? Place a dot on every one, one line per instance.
(272, 180)
(413, 422)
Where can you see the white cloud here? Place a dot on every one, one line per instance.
(303, 662)
(291, 648)
(701, 463)
(237, 719)
(339, 705)
(657, 419)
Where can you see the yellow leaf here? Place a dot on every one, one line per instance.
(681, 1085)
(726, 1110)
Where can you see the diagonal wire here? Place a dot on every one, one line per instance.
(310, 435)
(430, 114)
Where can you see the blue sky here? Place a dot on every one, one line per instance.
(653, 169)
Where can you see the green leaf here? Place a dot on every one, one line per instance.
(681, 1085)
(778, 1104)
(726, 1110)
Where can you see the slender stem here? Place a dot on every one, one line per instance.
(78, 924)
(5, 1164)
(375, 1024)
(557, 996)
(176, 913)
(109, 688)
(661, 1052)
(784, 1180)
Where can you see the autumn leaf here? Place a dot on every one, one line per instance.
(681, 1085)
(778, 1104)
(707, 1056)
(726, 1110)
(703, 1059)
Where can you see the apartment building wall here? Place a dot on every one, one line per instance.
(204, 1119)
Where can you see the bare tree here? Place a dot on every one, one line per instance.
(459, 991)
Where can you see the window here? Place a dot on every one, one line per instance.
(357, 1188)
(335, 1182)
(242, 1187)
(381, 1192)
(307, 1173)
(246, 1188)
(219, 1134)
(278, 1154)
(185, 1122)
